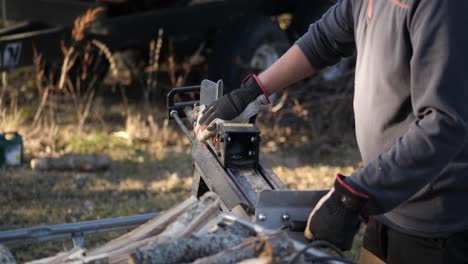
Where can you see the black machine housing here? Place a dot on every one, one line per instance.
(237, 145)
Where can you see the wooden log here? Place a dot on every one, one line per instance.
(72, 162)
(259, 260)
(187, 223)
(235, 229)
(188, 219)
(73, 256)
(187, 249)
(277, 245)
(194, 218)
(191, 248)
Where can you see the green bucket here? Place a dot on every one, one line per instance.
(11, 149)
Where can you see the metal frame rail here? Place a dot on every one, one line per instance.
(75, 231)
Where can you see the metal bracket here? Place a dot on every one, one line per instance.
(276, 208)
(177, 106)
(210, 91)
(78, 239)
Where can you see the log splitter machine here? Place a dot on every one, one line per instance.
(230, 165)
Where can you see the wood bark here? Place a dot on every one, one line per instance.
(194, 247)
(192, 231)
(187, 249)
(73, 256)
(277, 246)
(259, 260)
(177, 224)
(187, 223)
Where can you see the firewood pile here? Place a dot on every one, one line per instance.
(193, 231)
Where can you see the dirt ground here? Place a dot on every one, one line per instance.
(151, 164)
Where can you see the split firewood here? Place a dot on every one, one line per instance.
(183, 224)
(234, 229)
(150, 228)
(193, 232)
(277, 245)
(5, 256)
(72, 162)
(194, 247)
(259, 260)
(187, 223)
(73, 256)
(194, 218)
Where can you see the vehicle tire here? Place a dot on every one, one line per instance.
(306, 13)
(246, 48)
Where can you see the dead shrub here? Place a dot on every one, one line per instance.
(315, 111)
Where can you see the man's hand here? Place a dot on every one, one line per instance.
(237, 106)
(335, 218)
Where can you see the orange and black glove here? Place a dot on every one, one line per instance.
(337, 216)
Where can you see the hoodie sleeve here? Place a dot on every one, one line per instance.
(330, 38)
(439, 96)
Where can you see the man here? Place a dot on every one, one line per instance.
(411, 111)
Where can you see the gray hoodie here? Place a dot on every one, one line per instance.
(410, 103)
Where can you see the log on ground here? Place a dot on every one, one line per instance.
(72, 162)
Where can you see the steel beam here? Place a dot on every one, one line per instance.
(75, 231)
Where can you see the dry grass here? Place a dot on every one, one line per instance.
(11, 117)
(83, 22)
(10, 121)
(85, 62)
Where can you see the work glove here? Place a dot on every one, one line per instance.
(238, 106)
(336, 217)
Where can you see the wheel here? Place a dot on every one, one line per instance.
(306, 13)
(250, 47)
(339, 70)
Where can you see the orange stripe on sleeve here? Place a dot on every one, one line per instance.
(400, 4)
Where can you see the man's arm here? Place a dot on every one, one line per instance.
(293, 66)
(325, 43)
(439, 94)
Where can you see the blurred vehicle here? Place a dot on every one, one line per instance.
(238, 36)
